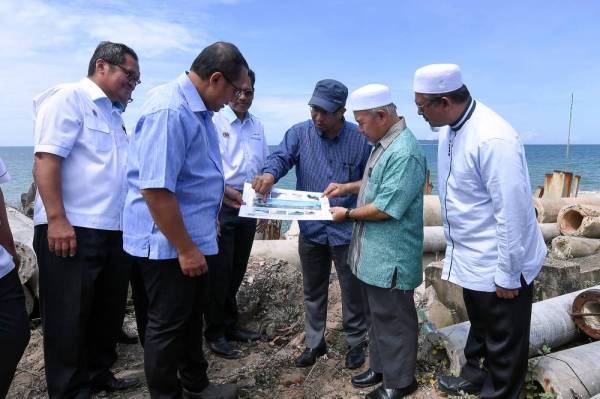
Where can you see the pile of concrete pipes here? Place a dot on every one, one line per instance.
(578, 220)
(22, 230)
(571, 373)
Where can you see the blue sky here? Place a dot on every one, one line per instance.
(522, 58)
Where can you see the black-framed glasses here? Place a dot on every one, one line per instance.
(132, 77)
(237, 92)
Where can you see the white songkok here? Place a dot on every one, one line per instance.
(437, 78)
(370, 97)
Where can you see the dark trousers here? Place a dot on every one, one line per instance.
(392, 334)
(316, 268)
(227, 270)
(82, 301)
(499, 334)
(14, 328)
(169, 308)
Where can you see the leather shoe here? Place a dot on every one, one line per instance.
(309, 356)
(366, 379)
(241, 335)
(457, 385)
(392, 393)
(115, 384)
(355, 357)
(213, 391)
(221, 348)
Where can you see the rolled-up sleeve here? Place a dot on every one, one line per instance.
(58, 123)
(503, 174)
(402, 180)
(161, 149)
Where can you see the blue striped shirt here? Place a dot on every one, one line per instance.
(320, 161)
(174, 146)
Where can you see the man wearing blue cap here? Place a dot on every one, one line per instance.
(324, 149)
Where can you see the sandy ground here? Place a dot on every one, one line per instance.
(271, 299)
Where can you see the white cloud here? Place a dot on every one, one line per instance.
(28, 29)
(279, 113)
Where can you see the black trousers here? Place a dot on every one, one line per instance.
(499, 335)
(169, 307)
(316, 269)
(392, 334)
(227, 270)
(14, 328)
(82, 302)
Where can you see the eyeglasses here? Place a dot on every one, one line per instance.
(421, 107)
(132, 77)
(237, 92)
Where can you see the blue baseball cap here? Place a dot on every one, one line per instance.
(329, 95)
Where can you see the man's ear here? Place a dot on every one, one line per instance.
(213, 79)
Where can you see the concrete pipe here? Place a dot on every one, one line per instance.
(547, 209)
(22, 230)
(551, 324)
(580, 220)
(586, 313)
(567, 247)
(570, 374)
(432, 210)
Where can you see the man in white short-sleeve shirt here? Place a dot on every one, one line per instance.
(243, 149)
(80, 160)
(14, 323)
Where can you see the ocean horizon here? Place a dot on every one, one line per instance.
(584, 160)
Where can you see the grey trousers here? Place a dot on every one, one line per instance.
(316, 268)
(392, 334)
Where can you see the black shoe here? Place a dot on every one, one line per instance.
(309, 356)
(457, 385)
(127, 337)
(355, 357)
(221, 348)
(116, 384)
(241, 335)
(213, 391)
(366, 379)
(392, 393)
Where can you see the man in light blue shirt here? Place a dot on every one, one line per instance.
(495, 247)
(243, 149)
(175, 179)
(14, 323)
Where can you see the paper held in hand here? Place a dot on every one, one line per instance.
(284, 204)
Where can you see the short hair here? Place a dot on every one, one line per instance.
(113, 53)
(219, 57)
(458, 96)
(252, 77)
(389, 109)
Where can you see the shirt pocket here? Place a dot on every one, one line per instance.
(347, 172)
(98, 133)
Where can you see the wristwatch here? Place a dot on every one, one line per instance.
(347, 214)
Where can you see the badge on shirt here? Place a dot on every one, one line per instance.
(226, 135)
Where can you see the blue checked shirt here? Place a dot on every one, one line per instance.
(174, 146)
(320, 161)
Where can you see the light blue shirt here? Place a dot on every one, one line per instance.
(243, 146)
(6, 260)
(490, 225)
(174, 146)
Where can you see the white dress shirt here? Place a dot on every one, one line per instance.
(79, 123)
(243, 146)
(489, 221)
(6, 260)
